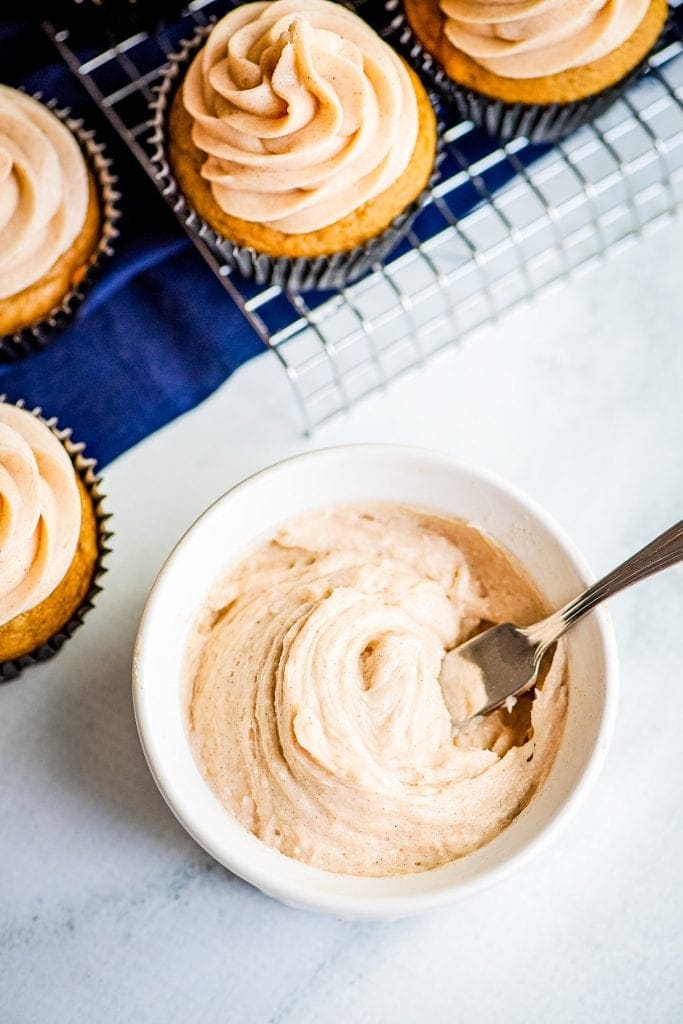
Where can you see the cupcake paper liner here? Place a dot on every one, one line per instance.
(86, 469)
(537, 122)
(288, 273)
(30, 339)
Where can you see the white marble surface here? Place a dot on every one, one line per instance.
(110, 912)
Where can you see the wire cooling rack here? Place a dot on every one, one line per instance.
(503, 223)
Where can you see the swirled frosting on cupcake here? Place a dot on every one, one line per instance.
(532, 38)
(321, 694)
(303, 112)
(43, 190)
(40, 512)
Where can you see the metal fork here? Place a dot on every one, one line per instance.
(505, 659)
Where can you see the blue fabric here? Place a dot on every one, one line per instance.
(157, 334)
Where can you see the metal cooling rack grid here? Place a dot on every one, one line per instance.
(538, 216)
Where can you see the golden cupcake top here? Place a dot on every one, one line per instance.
(533, 38)
(40, 511)
(43, 190)
(303, 112)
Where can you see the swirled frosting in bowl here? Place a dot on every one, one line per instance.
(533, 38)
(321, 696)
(40, 512)
(303, 112)
(43, 190)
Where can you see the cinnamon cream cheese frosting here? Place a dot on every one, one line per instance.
(532, 38)
(43, 190)
(303, 112)
(321, 696)
(40, 512)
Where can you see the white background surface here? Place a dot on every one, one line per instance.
(110, 912)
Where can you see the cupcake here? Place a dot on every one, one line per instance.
(302, 142)
(52, 537)
(538, 68)
(57, 217)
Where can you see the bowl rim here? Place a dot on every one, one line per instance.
(385, 906)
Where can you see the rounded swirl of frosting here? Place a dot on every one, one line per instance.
(533, 38)
(303, 112)
(43, 190)
(319, 710)
(40, 512)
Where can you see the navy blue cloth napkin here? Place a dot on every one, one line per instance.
(158, 333)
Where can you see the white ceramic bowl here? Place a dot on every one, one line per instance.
(334, 476)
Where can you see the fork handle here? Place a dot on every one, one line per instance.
(666, 550)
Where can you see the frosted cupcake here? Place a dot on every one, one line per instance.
(301, 140)
(52, 537)
(538, 68)
(56, 218)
